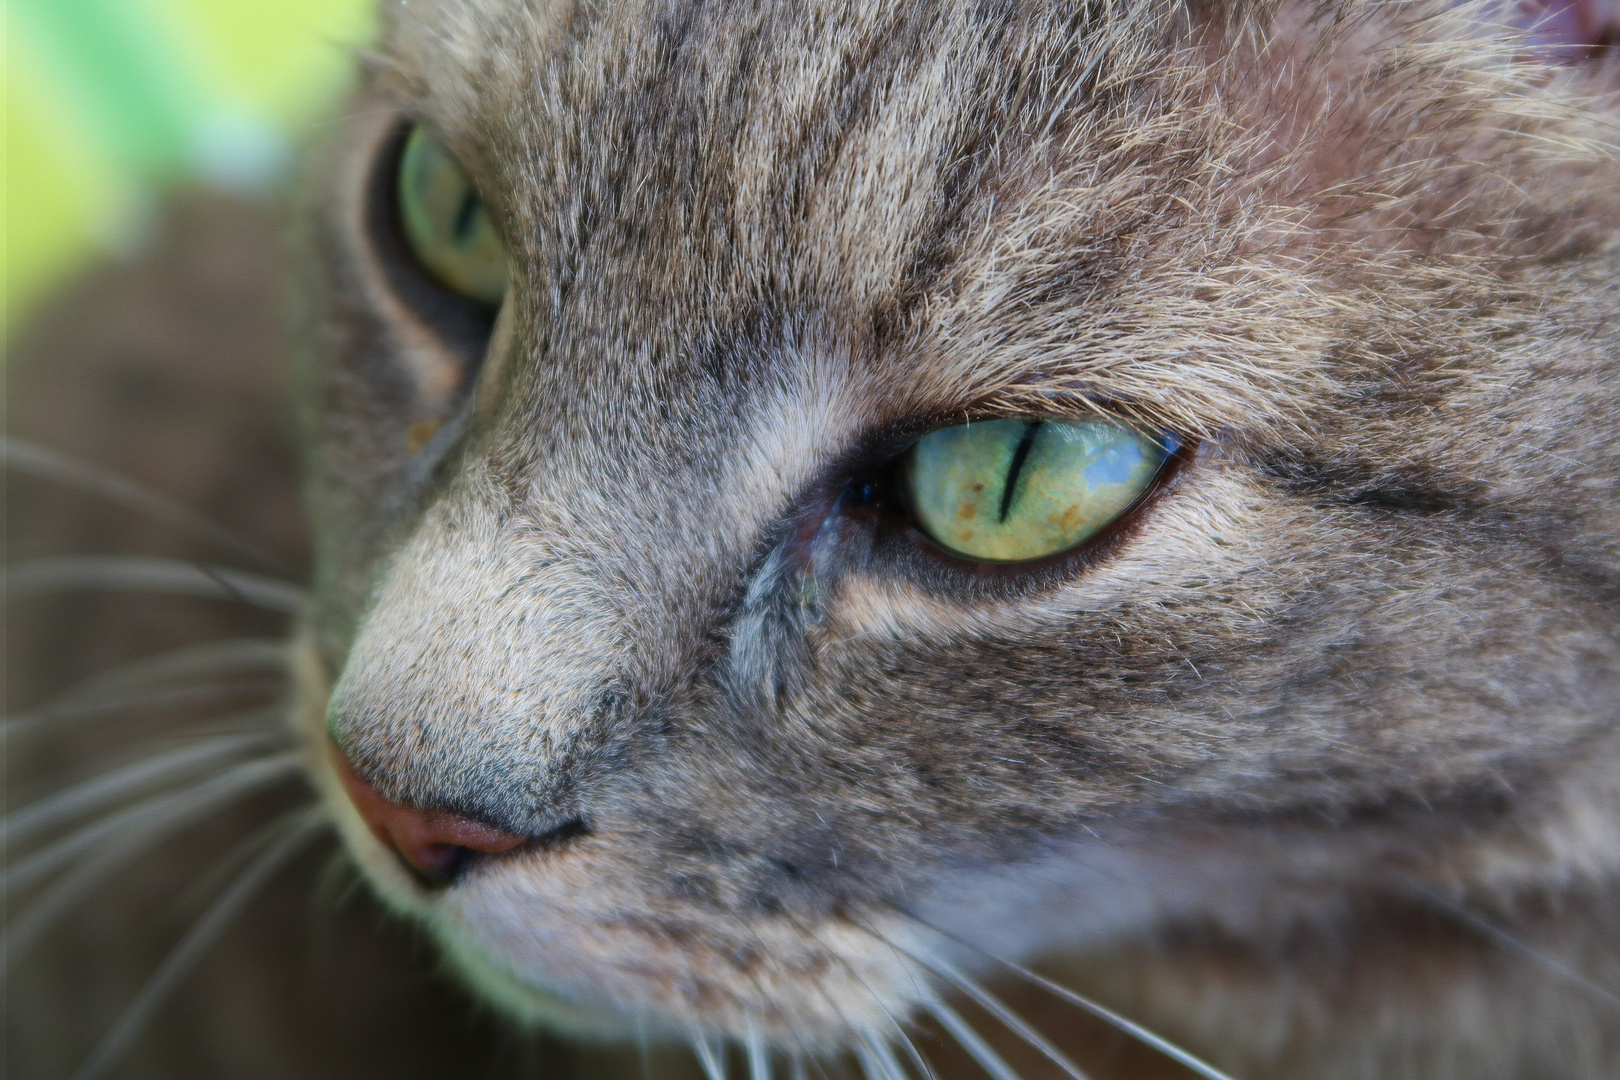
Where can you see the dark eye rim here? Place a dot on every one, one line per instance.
(463, 324)
(903, 536)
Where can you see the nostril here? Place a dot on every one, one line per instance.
(435, 843)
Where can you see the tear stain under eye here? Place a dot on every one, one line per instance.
(767, 632)
(431, 440)
(422, 466)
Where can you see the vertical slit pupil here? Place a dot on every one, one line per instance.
(466, 215)
(1020, 455)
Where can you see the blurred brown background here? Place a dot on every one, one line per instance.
(169, 368)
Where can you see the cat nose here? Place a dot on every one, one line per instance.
(435, 843)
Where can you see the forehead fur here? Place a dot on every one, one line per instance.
(1045, 205)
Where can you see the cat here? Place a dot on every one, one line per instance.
(663, 366)
(639, 672)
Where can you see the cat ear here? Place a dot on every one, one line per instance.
(1572, 30)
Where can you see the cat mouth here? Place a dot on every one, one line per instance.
(540, 928)
(558, 931)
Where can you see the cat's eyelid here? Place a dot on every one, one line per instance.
(893, 437)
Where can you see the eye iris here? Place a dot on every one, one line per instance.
(1013, 490)
(447, 225)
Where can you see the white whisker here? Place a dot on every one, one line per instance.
(765, 950)
(174, 809)
(224, 910)
(265, 720)
(643, 1052)
(899, 1029)
(971, 1041)
(1501, 936)
(869, 1068)
(915, 1055)
(56, 901)
(48, 464)
(24, 928)
(1102, 1012)
(21, 825)
(759, 1058)
(912, 1052)
(338, 882)
(885, 1050)
(21, 723)
(219, 659)
(219, 872)
(712, 1060)
(998, 1009)
(175, 577)
(878, 1059)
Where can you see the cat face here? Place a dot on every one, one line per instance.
(629, 571)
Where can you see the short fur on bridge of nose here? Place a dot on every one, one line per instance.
(433, 842)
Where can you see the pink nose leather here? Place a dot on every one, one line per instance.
(433, 841)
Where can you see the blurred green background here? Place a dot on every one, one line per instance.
(109, 100)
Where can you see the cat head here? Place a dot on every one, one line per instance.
(671, 359)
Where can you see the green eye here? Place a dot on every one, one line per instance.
(447, 224)
(1014, 490)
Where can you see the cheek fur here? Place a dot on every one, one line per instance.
(582, 939)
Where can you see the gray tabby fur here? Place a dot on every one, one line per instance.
(1355, 670)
